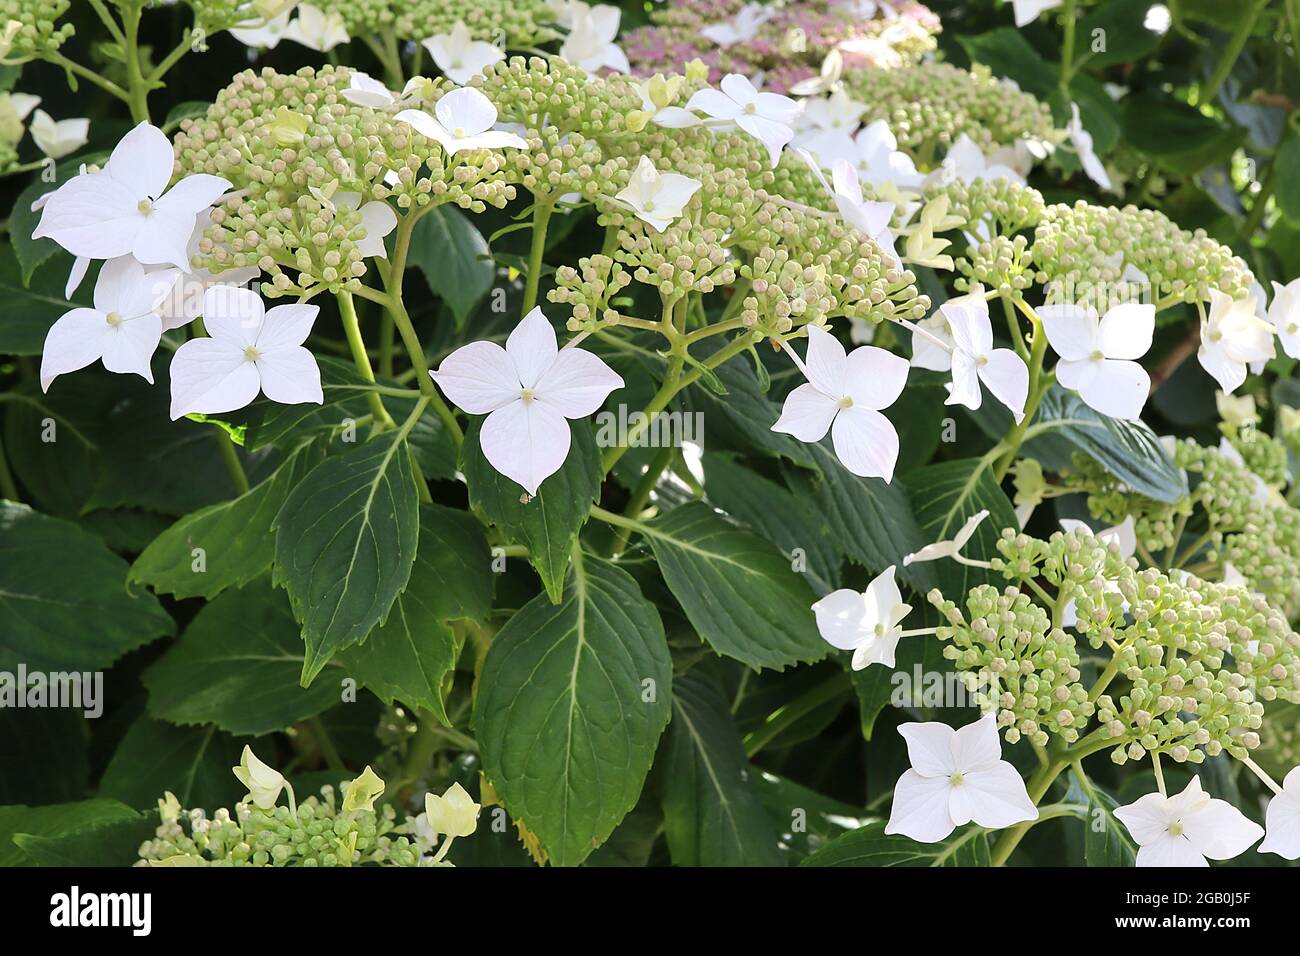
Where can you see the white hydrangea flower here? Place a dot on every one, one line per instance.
(1027, 11)
(1233, 337)
(741, 28)
(57, 139)
(1081, 139)
(317, 30)
(657, 198)
(590, 44)
(463, 119)
(1097, 354)
(868, 623)
(951, 548)
(975, 360)
(1185, 829)
(459, 55)
(765, 116)
(264, 783)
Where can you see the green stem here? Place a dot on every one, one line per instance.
(361, 358)
(641, 494)
(1038, 385)
(326, 746)
(76, 69)
(137, 86)
(796, 710)
(231, 459)
(1228, 58)
(1260, 205)
(536, 249)
(1067, 47)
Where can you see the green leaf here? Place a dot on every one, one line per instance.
(778, 515)
(233, 538)
(713, 815)
(60, 474)
(63, 598)
(944, 496)
(1129, 450)
(345, 542)
(344, 394)
(746, 414)
(192, 762)
(30, 309)
(873, 520)
(237, 666)
(1124, 35)
(869, 846)
(549, 523)
(454, 258)
(113, 843)
(1106, 841)
(738, 591)
(1007, 53)
(54, 820)
(1179, 136)
(46, 753)
(409, 656)
(571, 704)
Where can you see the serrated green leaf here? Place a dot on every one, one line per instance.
(454, 258)
(237, 666)
(64, 604)
(713, 815)
(192, 762)
(1106, 841)
(745, 416)
(233, 537)
(54, 820)
(869, 846)
(345, 541)
(549, 523)
(408, 657)
(739, 593)
(571, 704)
(112, 843)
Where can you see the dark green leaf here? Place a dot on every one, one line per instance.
(1106, 842)
(454, 258)
(738, 591)
(869, 846)
(54, 820)
(345, 542)
(1007, 53)
(571, 704)
(192, 762)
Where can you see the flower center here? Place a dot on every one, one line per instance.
(1176, 828)
(114, 319)
(528, 395)
(1216, 336)
(1097, 356)
(881, 630)
(751, 108)
(981, 360)
(649, 206)
(458, 132)
(145, 206)
(956, 779)
(251, 354)
(845, 402)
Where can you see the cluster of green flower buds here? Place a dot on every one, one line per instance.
(30, 29)
(1016, 662)
(588, 289)
(930, 105)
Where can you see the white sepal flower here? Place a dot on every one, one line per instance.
(870, 218)
(454, 813)
(264, 783)
(127, 209)
(965, 162)
(362, 792)
(1027, 11)
(1185, 829)
(377, 218)
(1081, 139)
(1233, 337)
(1097, 354)
(765, 116)
(1122, 537)
(1284, 316)
(459, 55)
(61, 138)
(590, 44)
(957, 777)
(951, 548)
(122, 329)
(1282, 819)
(744, 26)
(527, 390)
(462, 119)
(658, 199)
(249, 350)
(844, 394)
(317, 30)
(261, 33)
(975, 360)
(874, 151)
(838, 111)
(868, 623)
(365, 90)
(927, 353)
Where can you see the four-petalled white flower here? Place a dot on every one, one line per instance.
(122, 330)
(127, 209)
(1232, 338)
(590, 44)
(868, 623)
(844, 394)
(459, 55)
(462, 119)
(975, 360)
(1282, 819)
(744, 26)
(957, 777)
(1185, 829)
(249, 350)
(658, 199)
(60, 138)
(765, 116)
(1027, 11)
(1081, 139)
(1284, 316)
(1097, 354)
(527, 390)
(316, 29)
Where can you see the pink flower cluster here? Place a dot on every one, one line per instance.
(789, 46)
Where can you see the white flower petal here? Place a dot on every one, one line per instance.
(929, 748)
(874, 377)
(532, 347)
(1125, 331)
(1282, 820)
(1006, 376)
(844, 618)
(290, 375)
(1118, 389)
(478, 378)
(577, 383)
(233, 314)
(994, 797)
(825, 362)
(865, 442)
(920, 809)
(130, 345)
(807, 413)
(965, 388)
(1167, 850)
(977, 746)
(526, 442)
(142, 161)
(210, 376)
(1071, 330)
(1220, 831)
(74, 341)
(286, 326)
